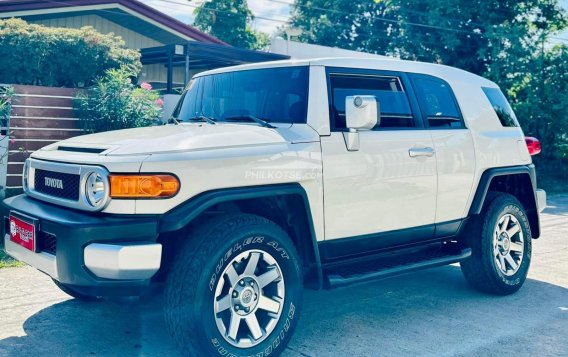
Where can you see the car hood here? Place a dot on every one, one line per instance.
(185, 137)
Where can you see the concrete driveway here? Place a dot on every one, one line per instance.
(429, 313)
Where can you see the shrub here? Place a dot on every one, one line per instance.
(59, 57)
(115, 103)
(6, 95)
(6, 98)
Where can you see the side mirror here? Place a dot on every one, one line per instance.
(362, 112)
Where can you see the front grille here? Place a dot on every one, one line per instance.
(57, 184)
(47, 242)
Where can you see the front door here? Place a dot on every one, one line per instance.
(390, 183)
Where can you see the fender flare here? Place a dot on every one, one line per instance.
(180, 216)
(485, 182)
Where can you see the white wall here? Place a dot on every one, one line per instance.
(298, 50)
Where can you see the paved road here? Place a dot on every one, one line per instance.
(430, 313)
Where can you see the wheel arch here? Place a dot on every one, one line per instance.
(269, 201)
(519, 181)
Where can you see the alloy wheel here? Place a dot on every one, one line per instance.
(249, 298)
(508, 244)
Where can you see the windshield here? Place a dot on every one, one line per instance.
(272, 94)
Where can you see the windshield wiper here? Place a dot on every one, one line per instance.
(249, 117)
(173, 120)
(203, 118)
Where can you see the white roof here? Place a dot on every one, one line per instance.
(450, 74)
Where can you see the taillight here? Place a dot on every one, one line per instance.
(533, 145)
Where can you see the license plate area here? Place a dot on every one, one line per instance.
(23, 230)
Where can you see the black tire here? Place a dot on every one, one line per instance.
(75, 294)
(481, 270)
(198, 268)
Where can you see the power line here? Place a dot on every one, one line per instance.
(220, 11)
(342, 26)
(403, 10)
(399, 22)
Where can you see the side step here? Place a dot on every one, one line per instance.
(357, 274)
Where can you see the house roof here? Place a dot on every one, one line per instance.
(128, 13)
(206, 55)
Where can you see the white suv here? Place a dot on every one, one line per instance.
(275, 176)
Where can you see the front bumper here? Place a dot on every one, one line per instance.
(96, 254)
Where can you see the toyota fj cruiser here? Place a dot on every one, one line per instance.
(275, 176)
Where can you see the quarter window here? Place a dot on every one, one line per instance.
(394, 105)
(501, 106)
(436, 100)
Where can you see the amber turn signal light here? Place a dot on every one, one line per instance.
(143, 186)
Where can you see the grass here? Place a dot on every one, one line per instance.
(8, 262)
(5, 260)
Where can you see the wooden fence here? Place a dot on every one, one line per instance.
(40, 116)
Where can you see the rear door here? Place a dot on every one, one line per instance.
(455, 153)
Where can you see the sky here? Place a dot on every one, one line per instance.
(564, 4)
(277, 10)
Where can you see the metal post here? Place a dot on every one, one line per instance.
(186, 74)
(170, 79)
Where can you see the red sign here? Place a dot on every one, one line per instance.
(22, 233)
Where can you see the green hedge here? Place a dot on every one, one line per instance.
(59, 57)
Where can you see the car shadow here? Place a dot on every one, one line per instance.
(431, 312)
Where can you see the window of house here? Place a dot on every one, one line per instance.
(389, 92)
(501, 106)
(436, 100)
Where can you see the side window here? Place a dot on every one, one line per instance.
(501, 106)
(394, 105)
(436, 100)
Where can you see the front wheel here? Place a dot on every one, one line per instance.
(500, 239)
(235, 289)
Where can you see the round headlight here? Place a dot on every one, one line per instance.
(26, 175)
(96, 190)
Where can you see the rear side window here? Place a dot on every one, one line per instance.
(436, 100)
(394, 105)
(501, 106)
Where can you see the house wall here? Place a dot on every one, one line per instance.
(132, 39)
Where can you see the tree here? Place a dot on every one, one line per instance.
(493, 38)
(367, 26)
(484, 38)
(230, 21)
(540, 101)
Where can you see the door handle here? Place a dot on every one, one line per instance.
(416, 152)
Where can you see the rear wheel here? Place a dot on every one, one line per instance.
(235, 288)
(500, 239)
